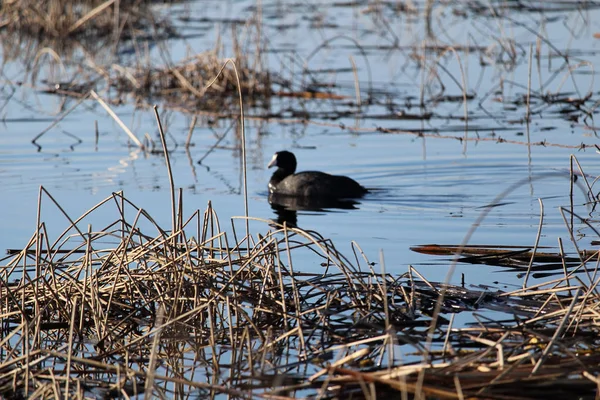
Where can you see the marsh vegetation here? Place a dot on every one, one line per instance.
(113, 303)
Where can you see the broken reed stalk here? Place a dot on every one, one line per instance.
(188, 141)
(528, 100)
(356, 82)
(117, 119)
(243, 137)
(464, 89)
(537, 242)
(325, 45)
(61, 117)
(571, 184)
(169, 171)
(244, 161)
(92, 14)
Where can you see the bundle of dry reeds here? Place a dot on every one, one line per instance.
(69, 19)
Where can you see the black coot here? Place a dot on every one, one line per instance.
(309, 184)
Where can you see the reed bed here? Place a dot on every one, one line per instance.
(202, 82)
(67, 47)
(73, 48)
(134, 309)
(61, 19)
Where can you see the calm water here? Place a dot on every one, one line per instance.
(431, 187)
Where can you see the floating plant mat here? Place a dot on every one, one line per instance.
(513, 257)
(133, 307)
(204, 81)
(206, 84)
(64, 28)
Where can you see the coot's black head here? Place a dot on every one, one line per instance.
(285, 161)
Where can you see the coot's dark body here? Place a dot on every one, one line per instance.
(309, 184)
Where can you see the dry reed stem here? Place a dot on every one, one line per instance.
(117, 119)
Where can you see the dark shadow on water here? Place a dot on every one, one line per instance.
(286, 207)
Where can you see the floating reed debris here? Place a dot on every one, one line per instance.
(202, 82)
(61, 19)
(516, 258)
(133, 308)
(47, 34)
(68, 43)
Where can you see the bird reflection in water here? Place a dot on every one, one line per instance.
(286, 207)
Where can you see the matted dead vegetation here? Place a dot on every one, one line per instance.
(203, 81)
(30, 28)
(61, 19)
(132, 308)
(76, 47)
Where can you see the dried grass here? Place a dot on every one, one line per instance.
(61, 19)
(200, 83)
